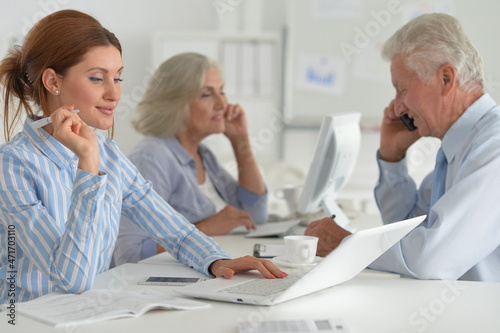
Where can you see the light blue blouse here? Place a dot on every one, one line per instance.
(172, 171)
(59, 224)
(460, 238)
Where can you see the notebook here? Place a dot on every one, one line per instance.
(353, 255)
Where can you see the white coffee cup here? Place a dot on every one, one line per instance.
(291, 195)
(301, 249)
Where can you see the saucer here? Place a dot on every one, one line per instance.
(283, 261)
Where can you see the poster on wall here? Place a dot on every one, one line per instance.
(319, 73)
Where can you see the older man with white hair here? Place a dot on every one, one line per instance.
(437, 74)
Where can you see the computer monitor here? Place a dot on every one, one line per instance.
(334, 159)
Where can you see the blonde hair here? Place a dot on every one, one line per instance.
(173, 86)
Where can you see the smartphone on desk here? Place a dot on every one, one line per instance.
(168, 280)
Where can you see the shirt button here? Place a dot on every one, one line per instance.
(93, 188)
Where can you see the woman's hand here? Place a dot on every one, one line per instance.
(226, 220)
(73, 133)
(227, 268)
(236, 122)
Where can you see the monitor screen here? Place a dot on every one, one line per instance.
(334, 159)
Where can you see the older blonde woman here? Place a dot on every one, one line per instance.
(185, 103)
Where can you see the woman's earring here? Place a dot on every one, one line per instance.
(56, 92)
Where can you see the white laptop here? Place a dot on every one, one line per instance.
(353, 255)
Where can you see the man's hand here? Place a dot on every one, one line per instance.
(330, 235)
(395, 138)
(227, 268)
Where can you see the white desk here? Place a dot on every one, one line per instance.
(367, 303)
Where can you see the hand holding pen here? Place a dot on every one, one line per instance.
(45, 121)
(71, 131)
(330, 234)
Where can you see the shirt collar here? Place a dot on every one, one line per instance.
(180, 152)
(53, 149)
(455, 136)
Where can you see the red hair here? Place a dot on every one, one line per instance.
(58, 41)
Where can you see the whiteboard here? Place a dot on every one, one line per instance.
(346, 36)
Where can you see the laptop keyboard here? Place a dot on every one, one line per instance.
(262, 287)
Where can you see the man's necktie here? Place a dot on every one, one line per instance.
(439, 177)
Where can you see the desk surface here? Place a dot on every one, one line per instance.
(370, 302)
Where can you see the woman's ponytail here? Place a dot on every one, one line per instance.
(17, 89)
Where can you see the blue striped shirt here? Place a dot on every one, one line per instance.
(60, 223)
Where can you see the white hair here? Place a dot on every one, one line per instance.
(432, 40)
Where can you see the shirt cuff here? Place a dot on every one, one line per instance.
(393, 170)
(248, 198)
(213, 259)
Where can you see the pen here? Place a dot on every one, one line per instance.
(47, 120)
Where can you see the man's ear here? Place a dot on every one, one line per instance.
(448, 77)
(51, 81)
